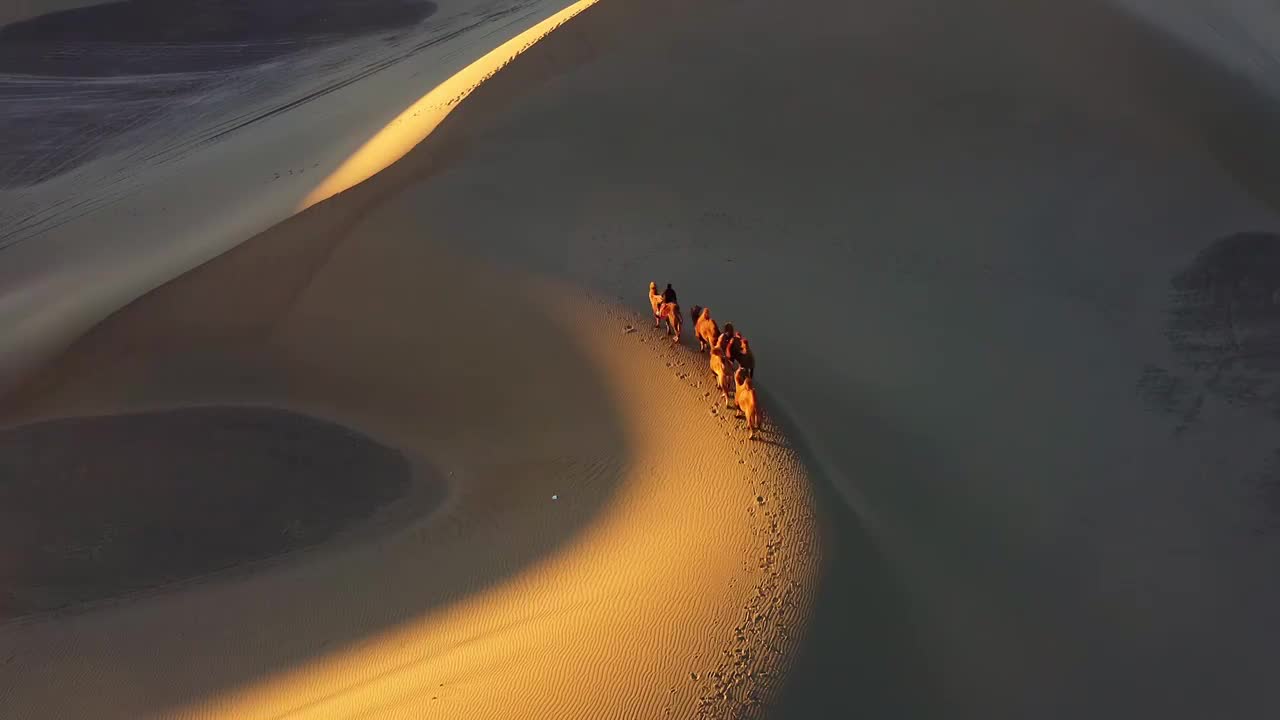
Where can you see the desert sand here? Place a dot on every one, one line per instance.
(607, 542)
(1010, 273)
(27, 9)
(604, 540)
(90, 523)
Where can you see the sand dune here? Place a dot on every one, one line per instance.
(670, 575)
(102, 80)
(963, 227)
(83, 516)
(674, 548)
(1241, 36)
(27, 9)
(1009, 271)
(86, 242)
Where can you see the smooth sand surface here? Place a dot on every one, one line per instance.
(1240, 34)
(95, 508)
(82, 84)
(1009, 273)
(19, 10)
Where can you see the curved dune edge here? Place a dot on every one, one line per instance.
(666, 587)
(417, 121)
(684, 598)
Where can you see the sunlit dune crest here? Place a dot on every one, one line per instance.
(418, 120)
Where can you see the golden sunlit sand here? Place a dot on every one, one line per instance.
(672, 571)
(419, 119)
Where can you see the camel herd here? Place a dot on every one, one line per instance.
(727, 348)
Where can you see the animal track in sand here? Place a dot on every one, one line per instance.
(739, 683)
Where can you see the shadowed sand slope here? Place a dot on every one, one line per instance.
(970, 243)
(26, 9)
(96, 507)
